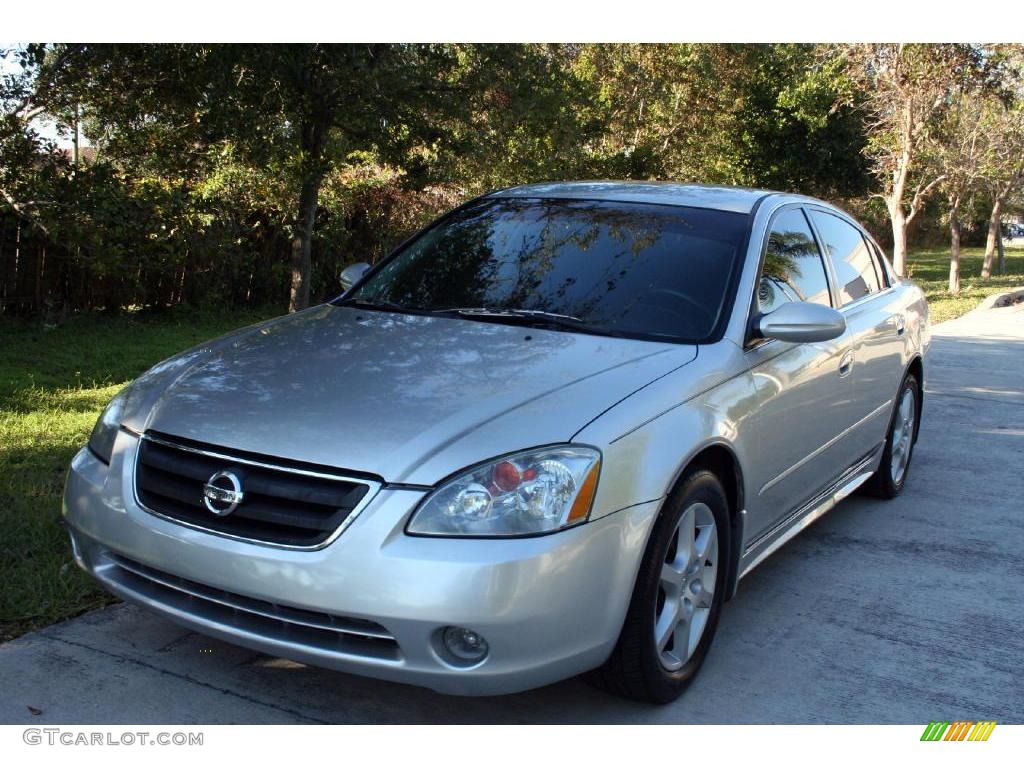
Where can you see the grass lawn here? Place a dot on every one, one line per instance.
(930, 269)
(54, 382)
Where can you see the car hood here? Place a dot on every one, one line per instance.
(409, 398)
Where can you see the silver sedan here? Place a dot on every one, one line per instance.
(548, 435)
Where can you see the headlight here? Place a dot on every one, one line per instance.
(526, 493)
(101, 441)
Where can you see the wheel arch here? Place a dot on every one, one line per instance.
(719, 458)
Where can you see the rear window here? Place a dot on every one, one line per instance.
(644, 270)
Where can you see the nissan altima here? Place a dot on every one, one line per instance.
(548, 435)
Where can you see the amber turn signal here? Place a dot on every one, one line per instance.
(585, 498)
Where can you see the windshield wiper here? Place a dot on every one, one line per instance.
(376, 304)
(503, 312)
(536, 317)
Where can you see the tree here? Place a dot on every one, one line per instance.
(1002, 132)
(335, 99)
(251, 173)
(905, 88)
(660, 108)
(789, 133)
(958, 152)
(26, 93)
(754, 115)
(527, 116)
(298, 108)
(1003, 173)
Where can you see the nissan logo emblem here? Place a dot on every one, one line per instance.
(222, 493)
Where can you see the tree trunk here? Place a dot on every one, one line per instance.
(1002, 251)
(302, 242)
(954, 248)
(75, 139)
(894, 200)
(993, 239)
(17, 256)
(40, 267)
(312, 139)
(899, 238)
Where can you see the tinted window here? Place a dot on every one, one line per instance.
(883, 276)
(792, 270)
(855, 268)
(650, 270)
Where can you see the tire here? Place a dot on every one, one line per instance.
(891, 476)
(638, 668)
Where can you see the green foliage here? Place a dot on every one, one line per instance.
(755, 115)
(209, 163)
(797, 135)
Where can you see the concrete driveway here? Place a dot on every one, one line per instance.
(882, 612)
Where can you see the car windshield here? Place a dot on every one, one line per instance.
(647, 271)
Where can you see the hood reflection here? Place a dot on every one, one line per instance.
(377, 391)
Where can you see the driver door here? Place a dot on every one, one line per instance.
(804, 391)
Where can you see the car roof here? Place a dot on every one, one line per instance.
(735, 199)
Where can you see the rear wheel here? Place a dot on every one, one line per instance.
(889, 479)
(677, 598)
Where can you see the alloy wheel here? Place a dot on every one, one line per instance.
(686, 586)
(903, 435)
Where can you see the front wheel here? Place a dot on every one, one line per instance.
(889, 479)
(677, 598)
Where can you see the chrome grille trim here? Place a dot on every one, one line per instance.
(254, 463)
(373, 486)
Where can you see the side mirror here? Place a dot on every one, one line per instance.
(353, 273)
(800, 322)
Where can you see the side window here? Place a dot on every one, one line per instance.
(792, 270)
(853, 262)
(883, 274)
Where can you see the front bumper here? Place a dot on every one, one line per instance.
(373, 601)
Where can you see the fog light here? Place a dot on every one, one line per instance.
(464, 645)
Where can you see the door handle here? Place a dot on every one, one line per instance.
(846, 363)
(901, 324)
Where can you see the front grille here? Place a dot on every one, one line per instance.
(285, 506)
(271, 621)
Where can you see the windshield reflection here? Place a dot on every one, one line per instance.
(650, 270)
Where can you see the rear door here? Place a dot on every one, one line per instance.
(874, 322)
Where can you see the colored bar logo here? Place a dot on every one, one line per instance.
(961, 730)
